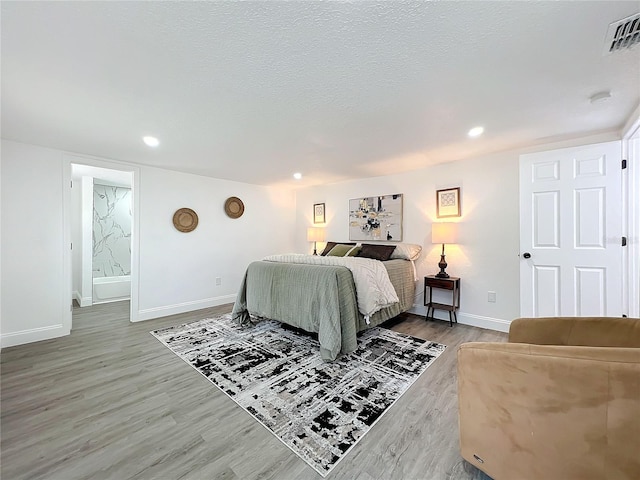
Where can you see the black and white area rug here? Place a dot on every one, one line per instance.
(320, 410)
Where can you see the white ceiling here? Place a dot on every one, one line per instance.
(254, 91)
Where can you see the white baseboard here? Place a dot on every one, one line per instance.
(484, 322)
(111, 300)
(467, 319)
(32, 335)
(157, 312)
(82, 301)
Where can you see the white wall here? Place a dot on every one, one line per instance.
(86, 239)
(33, 302)
(76, 238)
(177, 270)
(487, 257)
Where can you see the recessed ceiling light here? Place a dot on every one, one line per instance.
(476, 131)
(151, 141)
(297, 175)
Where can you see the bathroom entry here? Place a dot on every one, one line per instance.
(111, 248)
(101, 226)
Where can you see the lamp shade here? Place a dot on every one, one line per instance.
(444, 232)
(315, 234)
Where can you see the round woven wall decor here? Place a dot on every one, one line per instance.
(185, 220)
(234, 207)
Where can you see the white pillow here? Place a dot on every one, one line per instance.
(407, 251)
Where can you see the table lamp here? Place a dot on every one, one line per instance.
(315, 234)
(444, 232)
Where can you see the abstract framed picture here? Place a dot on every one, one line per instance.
(376, 218)
(448, 202)
(318, 213)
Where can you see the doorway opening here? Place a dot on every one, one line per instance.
(101, 225)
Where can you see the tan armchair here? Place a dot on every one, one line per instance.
(560, 401)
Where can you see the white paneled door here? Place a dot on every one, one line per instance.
(571, 232)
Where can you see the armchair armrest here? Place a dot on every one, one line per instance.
(585, 331)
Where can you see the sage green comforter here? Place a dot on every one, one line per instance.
(319, 299)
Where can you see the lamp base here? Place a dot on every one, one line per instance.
(442, 264)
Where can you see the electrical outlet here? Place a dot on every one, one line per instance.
(491, 297)
(218, 281)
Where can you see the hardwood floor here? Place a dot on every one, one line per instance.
(109, 401)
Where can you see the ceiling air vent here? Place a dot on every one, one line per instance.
(624, 33)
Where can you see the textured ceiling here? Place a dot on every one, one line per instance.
(254, 91)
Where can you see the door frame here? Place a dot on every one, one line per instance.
(631, 220)
(68, 159)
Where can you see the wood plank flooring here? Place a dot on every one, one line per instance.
(111, 402)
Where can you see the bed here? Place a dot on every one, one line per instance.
(321, 298)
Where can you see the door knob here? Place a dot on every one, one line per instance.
(526, 255)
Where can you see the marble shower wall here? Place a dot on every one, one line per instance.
(111, 231)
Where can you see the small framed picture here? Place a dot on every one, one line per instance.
(448, 202)
(318, 213)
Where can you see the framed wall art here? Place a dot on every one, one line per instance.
(376, 218)
(318, 213)
(448, 202)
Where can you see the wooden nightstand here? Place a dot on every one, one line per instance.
(451, 283)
